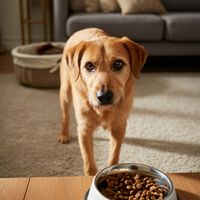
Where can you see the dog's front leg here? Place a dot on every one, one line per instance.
(116, 138)
(85, 135)
(65, 98)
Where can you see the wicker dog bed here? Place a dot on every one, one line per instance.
(37, 70)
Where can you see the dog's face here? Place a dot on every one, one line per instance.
(105, 67)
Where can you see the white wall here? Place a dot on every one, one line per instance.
(10, 28)
(9, 23)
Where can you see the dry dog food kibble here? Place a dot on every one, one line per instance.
(131, 186)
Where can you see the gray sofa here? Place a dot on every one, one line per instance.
(175, 33)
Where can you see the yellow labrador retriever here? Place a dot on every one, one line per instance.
(97, 72)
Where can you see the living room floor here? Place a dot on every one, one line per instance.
(163, 128)
(6, 63)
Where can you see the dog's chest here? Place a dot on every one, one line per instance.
(105, 118)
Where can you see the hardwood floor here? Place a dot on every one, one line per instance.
(162, 64)
(6, 63)
(62, 188)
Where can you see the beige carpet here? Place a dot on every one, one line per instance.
(163, 130)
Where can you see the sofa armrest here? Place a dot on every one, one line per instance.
(60, 14)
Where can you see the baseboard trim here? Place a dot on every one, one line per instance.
(10, 42)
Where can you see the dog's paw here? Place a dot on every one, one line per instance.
(90, 172)
(63, 139)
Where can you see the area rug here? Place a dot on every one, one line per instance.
(163, 129)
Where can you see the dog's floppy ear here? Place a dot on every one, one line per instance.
(73, 59)
(137, 54)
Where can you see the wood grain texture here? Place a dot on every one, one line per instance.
(58, 188)
(187, 185)
(13, 188)
(74, 188)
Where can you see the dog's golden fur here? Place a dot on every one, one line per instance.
(80, 84)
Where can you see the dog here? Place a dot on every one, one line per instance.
(97, 73)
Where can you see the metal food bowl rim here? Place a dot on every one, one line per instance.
(133, 166)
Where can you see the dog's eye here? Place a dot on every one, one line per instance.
(118, 65)
(89, 66)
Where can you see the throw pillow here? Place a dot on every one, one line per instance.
(141, 6)
(109, 6)
(92, 5)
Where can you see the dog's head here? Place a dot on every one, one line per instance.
(105, 66)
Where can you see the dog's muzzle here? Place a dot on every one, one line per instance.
(105, 97)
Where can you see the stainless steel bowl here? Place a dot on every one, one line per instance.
(160, 177)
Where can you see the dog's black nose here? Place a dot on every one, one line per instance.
(105, 97)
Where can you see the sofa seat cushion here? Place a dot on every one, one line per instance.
(140, 27)
(182, 26)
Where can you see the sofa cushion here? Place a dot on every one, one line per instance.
(141, 6)
(182, 26)
(109, 6)
(140, 27)
(181, 5)
(91, 5)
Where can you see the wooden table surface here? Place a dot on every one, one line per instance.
(74, 188)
